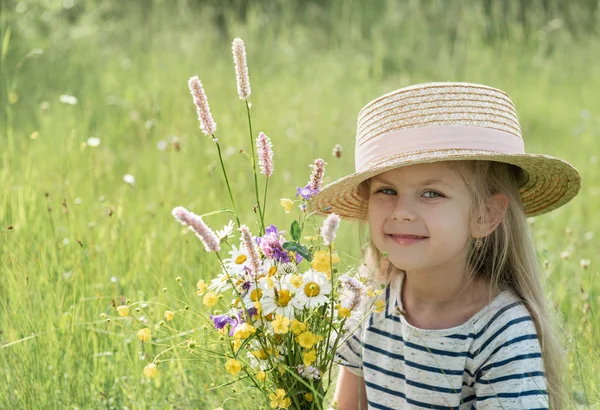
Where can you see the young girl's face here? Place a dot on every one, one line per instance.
(419, 214)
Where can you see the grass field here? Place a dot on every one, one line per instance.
(74, 236)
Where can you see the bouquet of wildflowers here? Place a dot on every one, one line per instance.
(279, 307)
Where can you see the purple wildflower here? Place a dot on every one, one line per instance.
(307, 192)
(220, 321)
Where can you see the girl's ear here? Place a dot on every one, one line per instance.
(494, 213)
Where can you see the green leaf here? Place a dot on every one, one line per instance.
(290, 246)
(296, 231)
(303, 251)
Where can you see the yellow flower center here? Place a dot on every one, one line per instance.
(240, 259)
(256, 295)
(284, 297)
(312, 289)
(273, 270)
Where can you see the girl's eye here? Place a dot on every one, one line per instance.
(435, 194)
(386, 189)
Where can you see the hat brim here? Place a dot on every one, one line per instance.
(551, 182)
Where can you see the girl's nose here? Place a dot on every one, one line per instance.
(404, 212)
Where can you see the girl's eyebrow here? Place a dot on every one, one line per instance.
(428, 181)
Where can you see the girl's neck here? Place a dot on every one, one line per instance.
(438, 302)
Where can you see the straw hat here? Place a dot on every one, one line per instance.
(443, 122)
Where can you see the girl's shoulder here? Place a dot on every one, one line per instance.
(505, 319)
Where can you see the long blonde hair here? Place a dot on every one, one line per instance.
(506, 259)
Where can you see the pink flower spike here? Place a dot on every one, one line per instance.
(265, 154)
(207, 124)
(330, 226)
(316, 179)
(250, 247)
(241, 68)
(197, 225)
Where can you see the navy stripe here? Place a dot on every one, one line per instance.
(384, 371)
(384, 389)
(510, 377)
(437, 351)
(352, 349)
(379, 406)
(488, 324)
(412, 364)
(513, 395)
(502, 329)
(410, 382)
(383, 352)
(513, 341)
(434, 369)
(386, 334)
(347, 364)
(503, 362)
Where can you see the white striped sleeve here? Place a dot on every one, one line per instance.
(349, 353)
(512, 374)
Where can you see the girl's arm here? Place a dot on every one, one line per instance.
(350, 393)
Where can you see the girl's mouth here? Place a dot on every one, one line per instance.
(407, 239)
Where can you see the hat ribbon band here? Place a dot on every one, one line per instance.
(415, 139)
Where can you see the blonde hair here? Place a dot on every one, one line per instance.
(506, 259)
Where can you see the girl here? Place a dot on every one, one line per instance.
(445, 185)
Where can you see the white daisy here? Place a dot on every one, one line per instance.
(220, 283)
(314, 290)
(288, 268)
(235, 265)
(226, 233)
(279, 298)
(269, 267)
(255, 292)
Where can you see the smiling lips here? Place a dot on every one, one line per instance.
(407, 239)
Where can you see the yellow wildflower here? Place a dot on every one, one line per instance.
(309, 357)
(379, 306)
(169, 315)
(280, 324)
(201, 287)
(123, 310)
(258, 307)
(321, 262)
(297, 327)
(296, 280)
(259, 354)
(308, 397)
(261, 376)
(278, 400)
(287, 204)
(343, 312)
(233, 366)
(371, 292)
(144, 334)
(210, 299)
(243, 331)
(307, 340)
(150, 370)
(237, 344)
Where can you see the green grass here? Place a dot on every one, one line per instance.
(74, 237)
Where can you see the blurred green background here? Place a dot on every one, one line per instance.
(74, 236)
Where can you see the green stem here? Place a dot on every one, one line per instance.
(227, 181)
(265, 199)
(332, 300)
(262, 222)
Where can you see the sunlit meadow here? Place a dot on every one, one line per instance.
(99, 141)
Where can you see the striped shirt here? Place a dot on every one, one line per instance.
(493, 361)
